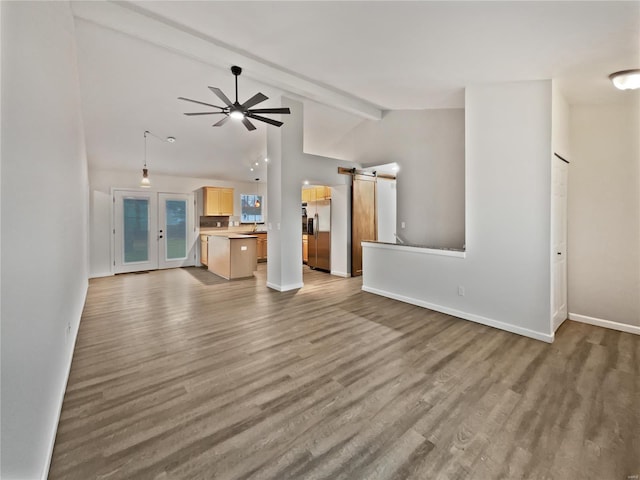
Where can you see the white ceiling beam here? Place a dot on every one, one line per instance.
(134, 21)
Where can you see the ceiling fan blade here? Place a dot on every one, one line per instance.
(265, 119)
(203, 113)
(257, 98)
(201, 103)
(221, 96)
(250, 126)
(270, 110)
(221, 122)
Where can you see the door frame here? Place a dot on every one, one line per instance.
(192, 227)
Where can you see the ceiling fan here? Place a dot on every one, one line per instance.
(239, 111)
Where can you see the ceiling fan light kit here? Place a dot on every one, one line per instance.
(242, 112)
(626, 79)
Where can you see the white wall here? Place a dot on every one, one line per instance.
(386, 209)
(506, 272)
(604, 212)
(44, 231)
(429, 147)
(102, 205)
(341, 230)
(560, 123)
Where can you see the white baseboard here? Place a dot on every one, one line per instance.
(340, 274)
(101, 274)
(285, 288)
(599, 322)
(464, 315)
(74, 337)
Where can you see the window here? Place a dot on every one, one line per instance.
(251, 208)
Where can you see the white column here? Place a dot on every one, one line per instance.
(284, 150)
(288, 167)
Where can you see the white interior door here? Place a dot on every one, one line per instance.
(135, 231)
(152, 230)
(559, 179)
(175, 235)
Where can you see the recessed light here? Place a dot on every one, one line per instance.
(257, 164)
(251, 169)
(306, 182)
(171, 139)
(266, 159)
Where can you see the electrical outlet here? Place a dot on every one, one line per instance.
(461, 291)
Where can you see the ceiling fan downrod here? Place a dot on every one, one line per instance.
(236, 72)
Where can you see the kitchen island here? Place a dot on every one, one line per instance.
(232, 256)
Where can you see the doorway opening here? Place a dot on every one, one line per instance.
(316, 227)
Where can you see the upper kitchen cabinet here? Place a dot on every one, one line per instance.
(312, 194)
(217, 201)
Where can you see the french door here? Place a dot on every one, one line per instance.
(152, 230)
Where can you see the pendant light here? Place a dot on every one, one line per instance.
(145, 182)
(257, 202)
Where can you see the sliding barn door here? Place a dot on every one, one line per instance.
(363, 218)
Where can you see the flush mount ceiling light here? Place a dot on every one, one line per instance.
(626, 79)
(239, 111)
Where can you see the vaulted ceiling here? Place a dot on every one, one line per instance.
(350, 61)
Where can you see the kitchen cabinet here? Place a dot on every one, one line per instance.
(204, 249)
(217, 201)
(323, 193)
(232, 256)
(305, 248)
(261, 246)
(312, 194)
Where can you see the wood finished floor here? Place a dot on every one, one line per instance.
(180, 375)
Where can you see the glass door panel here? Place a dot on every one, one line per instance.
(135, 227)
(176, 230)
(176, 215)
(136, 230)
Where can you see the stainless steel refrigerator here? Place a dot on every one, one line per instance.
(319, 234)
